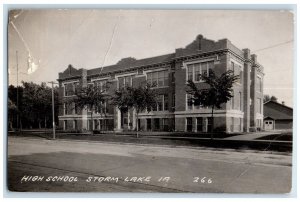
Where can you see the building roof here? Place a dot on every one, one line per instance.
(199, 46)
(130, 62)
(277, 111)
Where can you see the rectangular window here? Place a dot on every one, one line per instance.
(238, 105)
(158, 79)
(199, 124)
(75, 108)
(125, 120)
(65, 125)
(259, 84)
(166, 103)
(149, 124)
(259, 105)
(241, 77)
(160, 103)
(128, 81)
(75, 125)
(76, 86)
(197, 72)
(173, 101)
(196, 69)
(149, 78)
(172, 77)
(190, 72)
(154, 79)
(189, 102)
(165, 124)
(156, 124)
(67, 109)
(90, 125)
(161, 77)
(101, 85)
(240, 101)
(241, 125)
(237, 72)
(209, 124)
(204, 68)
(189, 124)
(193, 104)
(197, 105)
(102, 107)
(166, 78)
(210, 65)
(90, 85)
(96, 124)
(121, 82)
(89, 108)
(154, 107)
(232, 67)
(70, 88)
(124, 81)
(103, 124)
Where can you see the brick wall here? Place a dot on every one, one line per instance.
(222, 52)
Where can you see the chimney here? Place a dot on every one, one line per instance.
(246, 53)
(283, 103)
(254, 58)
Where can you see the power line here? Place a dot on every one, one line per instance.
(273, 46)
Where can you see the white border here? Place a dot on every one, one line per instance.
(262, 4)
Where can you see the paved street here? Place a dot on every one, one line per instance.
(116, 167)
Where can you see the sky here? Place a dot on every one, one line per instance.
(94, 38)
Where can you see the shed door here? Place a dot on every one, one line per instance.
(269, 124)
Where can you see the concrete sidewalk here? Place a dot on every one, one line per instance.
(252, 136)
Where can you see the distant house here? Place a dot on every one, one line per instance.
(277, 116)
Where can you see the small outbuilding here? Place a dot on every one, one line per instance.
(277, 116)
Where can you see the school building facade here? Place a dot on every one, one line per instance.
(170, 72)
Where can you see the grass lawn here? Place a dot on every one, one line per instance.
(176, 139)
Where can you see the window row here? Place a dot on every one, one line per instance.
(97, 124)
(101, 85)
(237, 71)
(160, 124)
(70, 88)
(72, 109)
(196, 69)
(202, 124)
(124, 81)
(259, 86)
(259, 105)
(192, 104)
(162, 103)
(158, 79)
(237, 102)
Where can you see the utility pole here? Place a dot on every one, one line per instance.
(53, 115)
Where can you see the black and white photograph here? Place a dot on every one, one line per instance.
(150, 100)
